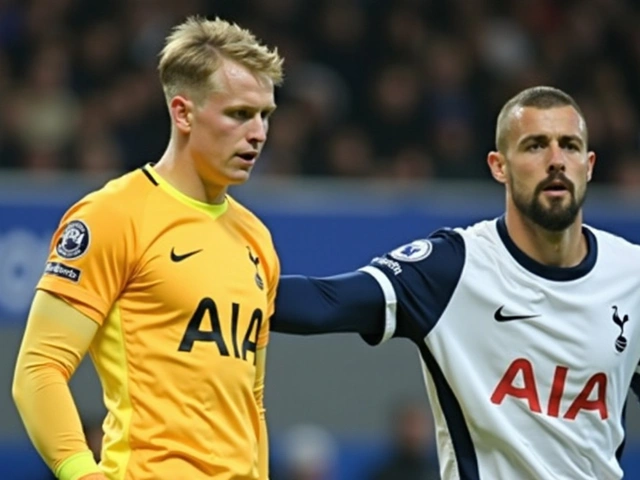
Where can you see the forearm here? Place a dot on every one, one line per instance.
(51, 419)
(351, 302)
(263, 450)
(56, 338)
(258, 393)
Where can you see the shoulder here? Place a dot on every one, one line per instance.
(483, 231)
(440, 254)
(610, 238)
(119, 200)
(448, 242)
(421, 276)
(614, 245)
(102, 214)
(444, 239)
(119, 197)
(440, 257)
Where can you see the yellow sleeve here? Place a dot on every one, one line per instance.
(261, 361)
(274, 279)
(272, 272)
(56, 339)
(258, 391)
(92, 255)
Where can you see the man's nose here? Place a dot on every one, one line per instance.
(557, 160)
(258, 130)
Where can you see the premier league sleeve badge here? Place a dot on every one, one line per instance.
(74, 241)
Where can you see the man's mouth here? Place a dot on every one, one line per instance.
(248, 156)
(557, 186)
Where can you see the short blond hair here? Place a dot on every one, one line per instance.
(194, 50)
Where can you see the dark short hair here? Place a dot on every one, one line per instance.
(542, 97)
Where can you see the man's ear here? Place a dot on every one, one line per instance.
(498, 166)
(591, 158)
(181, 111)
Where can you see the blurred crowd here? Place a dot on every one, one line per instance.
(309, 452)
(374, 88)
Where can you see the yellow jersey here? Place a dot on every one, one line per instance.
(183, 292)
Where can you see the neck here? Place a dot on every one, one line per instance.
(177, 168)
(566, 248)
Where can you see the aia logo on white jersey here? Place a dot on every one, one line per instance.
(519, 382)
(621, 340)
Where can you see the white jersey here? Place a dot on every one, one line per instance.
(527, 367)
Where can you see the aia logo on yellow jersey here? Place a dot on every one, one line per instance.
(256, 261)
(237, 345)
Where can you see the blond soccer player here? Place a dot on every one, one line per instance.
(169, 284)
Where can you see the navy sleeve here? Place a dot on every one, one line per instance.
(422, 276)
(635, 382)
(352, 302)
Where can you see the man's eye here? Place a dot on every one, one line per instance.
(533, 147)
(241, 114)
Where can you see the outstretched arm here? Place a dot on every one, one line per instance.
(401, 294)
(635, 382)
(352, 302)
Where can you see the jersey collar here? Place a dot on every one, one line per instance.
(546, 271)
(212, 210)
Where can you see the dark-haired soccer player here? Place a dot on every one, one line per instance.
(528, 325)
(169, 283)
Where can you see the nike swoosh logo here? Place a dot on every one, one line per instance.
(178, 258)
(500, 317)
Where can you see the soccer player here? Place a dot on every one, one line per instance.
(528, 325)
(169, 283)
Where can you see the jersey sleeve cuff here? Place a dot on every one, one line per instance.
(391, 303)
(90, 305)
(77, 466)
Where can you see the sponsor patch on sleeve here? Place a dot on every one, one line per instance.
(74, 241)
(61, 270)
(390, 264)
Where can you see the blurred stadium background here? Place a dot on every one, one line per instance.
(384, 122)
